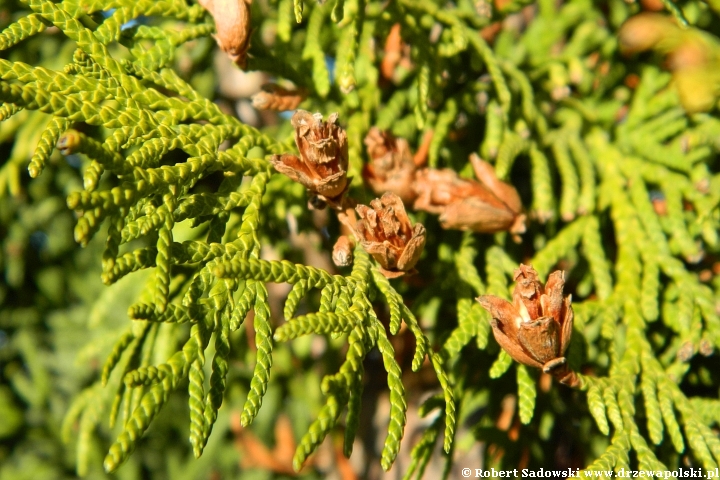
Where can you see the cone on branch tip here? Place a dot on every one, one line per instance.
(323, 162)
(536, 328)
(385, 232)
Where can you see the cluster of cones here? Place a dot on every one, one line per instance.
(487, 205)
(384, 229)
(535, 329)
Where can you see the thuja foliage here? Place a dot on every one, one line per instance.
(108, 105)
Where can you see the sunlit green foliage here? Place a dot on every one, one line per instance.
(181, 214)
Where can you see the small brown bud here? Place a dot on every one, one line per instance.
(396, 54)
(322, 166)
(232, 27)
(342, 254)
(391, 167)
(275, 97)
(384, 230)
(487, 206)
(535, 329)
(393, 52)
(69, 142)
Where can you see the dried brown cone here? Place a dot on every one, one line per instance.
(232, 27)
(536, 328)
(323, 162)
(275, 97)
(391, 167)
(487, 206)
(385, 232)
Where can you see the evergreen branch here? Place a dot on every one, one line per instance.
(247, 294)
(318, 430)
(465, 330)
(422, 345)
(596, 404)
(337, 388)
(298, 291)
(196, 387)
(119, 348)
(442, 125)
(22, 29)
(398, 404)
(218, 381)
(275, 271)
(543, 206)
(482, 322)
(511, 147)
(46, 145)
(176, 370)
(599, 265)
(496, 272)
(422, 451)
(318, 323)
(263, 341)
(570, 184)
(671, 424)
(494, 130)
(501, 365)
(151, 144)
(559, 246)
(526, 394)
(152, 401)
(464, 259)
(449, 397)
(652, 409)
(392, 298)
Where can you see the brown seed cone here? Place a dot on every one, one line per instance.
(275, 97)
(232, 27)
(385, 232)
(323, 162)
(536, 328)
(391, 167)
(487, 206)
